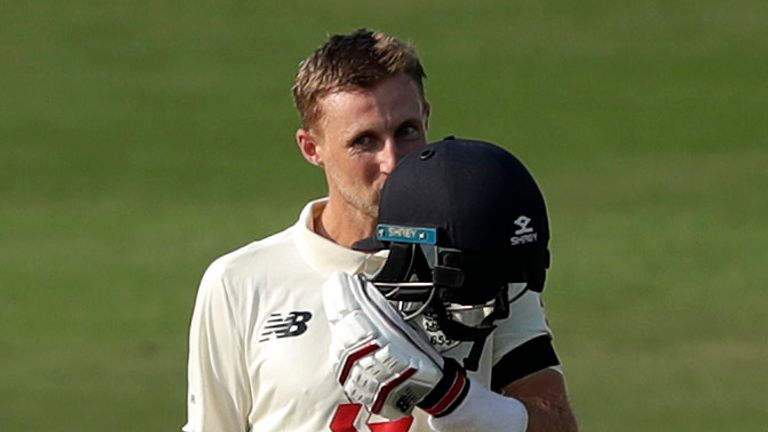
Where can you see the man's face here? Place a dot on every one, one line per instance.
(361, 136)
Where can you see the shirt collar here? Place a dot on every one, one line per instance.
(325, 256)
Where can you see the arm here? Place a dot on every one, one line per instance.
(544, 395)
(218, 389)
(384, 364)
(537, 403)
(527, 367)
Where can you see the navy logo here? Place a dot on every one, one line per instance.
(279, 326)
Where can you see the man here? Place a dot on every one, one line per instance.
(259, 338)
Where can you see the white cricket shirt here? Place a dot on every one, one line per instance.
(258, 348)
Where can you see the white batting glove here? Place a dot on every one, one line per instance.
(382, 362)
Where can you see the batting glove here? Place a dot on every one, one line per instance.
(380, 360)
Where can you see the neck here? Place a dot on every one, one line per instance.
(344, 225)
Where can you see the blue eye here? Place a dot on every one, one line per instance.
(407, 131)
(362, 141)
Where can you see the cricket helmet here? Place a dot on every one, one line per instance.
(462, 219)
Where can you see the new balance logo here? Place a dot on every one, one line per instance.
(279, 326)
(524, 233)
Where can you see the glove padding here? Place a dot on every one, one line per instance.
(380, 360)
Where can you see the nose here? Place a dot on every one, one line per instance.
(389, 156)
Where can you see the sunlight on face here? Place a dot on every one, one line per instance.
(363, 134)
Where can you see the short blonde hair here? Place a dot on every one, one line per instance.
(359, 60)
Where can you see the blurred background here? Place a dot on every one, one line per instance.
(141, 140)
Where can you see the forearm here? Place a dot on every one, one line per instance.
(545, 397)
(488, 411)
(550, 416)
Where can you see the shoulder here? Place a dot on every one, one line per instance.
(253, 259)
(270, 254)
(236, 282)
(527, 318)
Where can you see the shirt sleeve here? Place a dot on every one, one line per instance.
(526, 322)
(218, 395)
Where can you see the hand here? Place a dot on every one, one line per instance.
(380, 360)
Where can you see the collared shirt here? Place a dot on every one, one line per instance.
(259, 338)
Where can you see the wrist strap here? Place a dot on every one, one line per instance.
(449, 392)
(484, 410)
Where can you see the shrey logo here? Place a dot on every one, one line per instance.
(524, 234)
(523, 222)
(406, 234)
(279, 326)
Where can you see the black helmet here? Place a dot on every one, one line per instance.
(462, 220)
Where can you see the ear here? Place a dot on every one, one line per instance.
(308, 146)
(427, 111)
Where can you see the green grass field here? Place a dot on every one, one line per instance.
(140, 140)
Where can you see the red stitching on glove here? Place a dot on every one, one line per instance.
(353, 357)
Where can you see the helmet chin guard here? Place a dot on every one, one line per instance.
(417, 286)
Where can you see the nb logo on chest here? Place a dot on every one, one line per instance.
(280, 326)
